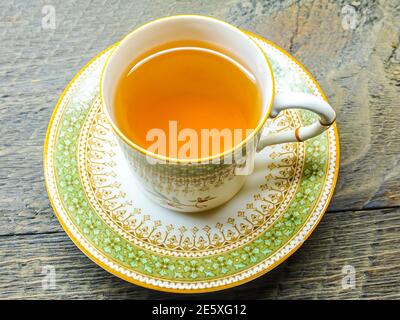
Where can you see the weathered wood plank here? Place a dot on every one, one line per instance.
(358, 68)
(24, 205)
(367, 240)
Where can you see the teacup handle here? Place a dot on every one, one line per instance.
(299, 100)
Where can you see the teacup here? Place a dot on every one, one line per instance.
(194, 185)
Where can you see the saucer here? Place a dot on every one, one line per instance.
(99, 205)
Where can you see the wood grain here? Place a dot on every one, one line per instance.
(367, 240)
(359, 69)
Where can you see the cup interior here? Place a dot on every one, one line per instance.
(217, 34)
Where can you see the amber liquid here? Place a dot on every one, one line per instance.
(197, 89)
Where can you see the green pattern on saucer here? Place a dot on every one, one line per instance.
(164, 271)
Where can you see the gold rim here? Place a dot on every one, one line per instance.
(177, 160)
(186, 291)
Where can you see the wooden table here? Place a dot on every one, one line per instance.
(358, 66)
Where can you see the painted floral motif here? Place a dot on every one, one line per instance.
(200, 202)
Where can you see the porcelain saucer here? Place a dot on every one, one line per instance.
(99, 205)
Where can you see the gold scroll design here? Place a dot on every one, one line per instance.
(97, 152)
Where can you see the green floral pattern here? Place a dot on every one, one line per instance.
(123, 253)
